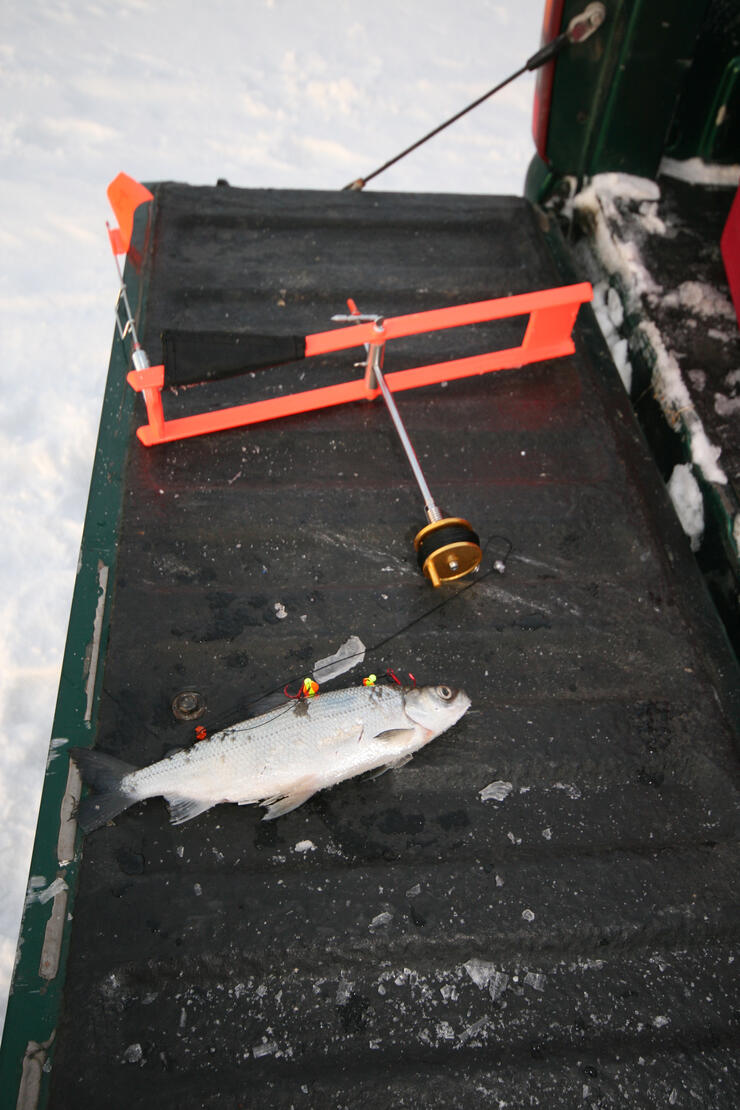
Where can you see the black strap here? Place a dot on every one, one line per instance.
(205, 356)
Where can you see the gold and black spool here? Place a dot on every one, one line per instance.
(447, 549)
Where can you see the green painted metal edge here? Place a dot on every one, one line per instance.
(725, 90)
(26, 1053)
(615, 95)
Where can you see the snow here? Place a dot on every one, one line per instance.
(697, 172)
(278, 93)
(609, 312)
(600, 207)
(700, 298)
(688, 502)
(675, 400)
(596, 206)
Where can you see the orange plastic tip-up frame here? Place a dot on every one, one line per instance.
(552, 313)
(125, 196)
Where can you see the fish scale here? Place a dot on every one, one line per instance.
(279, 759)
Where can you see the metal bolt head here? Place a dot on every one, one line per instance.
(188, 705)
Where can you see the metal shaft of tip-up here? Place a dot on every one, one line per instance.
(430, 506)
(447, 547)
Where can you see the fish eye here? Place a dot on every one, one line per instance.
(445, 692)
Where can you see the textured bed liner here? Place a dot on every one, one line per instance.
(402, 942)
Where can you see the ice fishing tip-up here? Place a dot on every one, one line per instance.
(447, 547)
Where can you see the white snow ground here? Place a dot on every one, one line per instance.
(286, 93)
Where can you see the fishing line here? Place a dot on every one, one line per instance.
(497, 567)
(579, 29)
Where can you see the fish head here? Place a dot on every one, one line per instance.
(436, 708)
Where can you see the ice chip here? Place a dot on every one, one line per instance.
(351, 652)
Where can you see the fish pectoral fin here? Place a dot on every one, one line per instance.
(393, 766)
(184, 809)
(288, 802)
(396, 735)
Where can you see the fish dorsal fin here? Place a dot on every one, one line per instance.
(396, 735)
(184, 809)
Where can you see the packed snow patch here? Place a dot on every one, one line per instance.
(596, 206)
(688, 502)
(609, 311)
(700, 298)
(697, 172)
(675, 401)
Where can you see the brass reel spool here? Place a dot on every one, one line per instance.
(447, 549)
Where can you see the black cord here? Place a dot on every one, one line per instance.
(546, 54)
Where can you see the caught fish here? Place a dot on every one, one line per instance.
(280, 759)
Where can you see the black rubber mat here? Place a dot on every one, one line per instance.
(569, 941)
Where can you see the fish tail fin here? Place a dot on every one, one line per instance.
(104, 774)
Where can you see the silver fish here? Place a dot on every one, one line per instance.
(280, 759)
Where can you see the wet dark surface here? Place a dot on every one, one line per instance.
(573, 943)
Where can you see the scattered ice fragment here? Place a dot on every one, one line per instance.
(445, 1031)
(547, 833)
(267, 1048)
(474, 1029)
(660, 1021)
(344, 991)
(484, 975)
(134, 1054)
(280, 611)
(413, 890)
(535, 980)
(54, 888)
(528, 915)
(347, 656)
(514, 839)
(498, 984)
(380, 919)
(496, 791)
(570, 789)
(305, 846)
(480, 971)
(197, 889)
